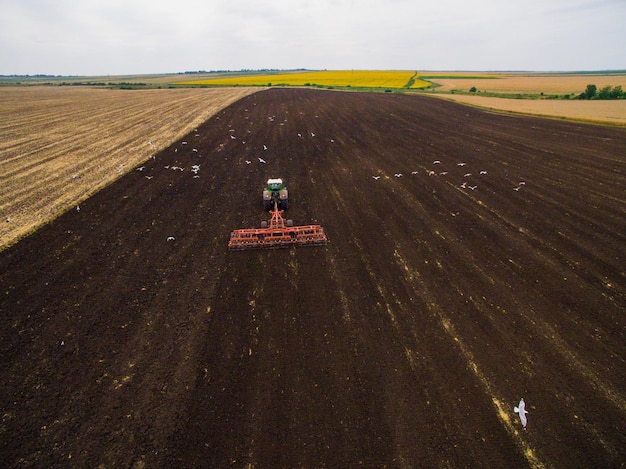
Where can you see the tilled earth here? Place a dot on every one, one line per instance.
(485, 264)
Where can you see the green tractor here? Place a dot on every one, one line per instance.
(275, 193)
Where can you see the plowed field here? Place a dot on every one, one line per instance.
(485, 264)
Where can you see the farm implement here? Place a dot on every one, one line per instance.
(276, 233)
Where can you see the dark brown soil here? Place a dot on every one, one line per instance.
(405, 342)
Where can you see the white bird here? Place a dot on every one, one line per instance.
(472, 187)
(299, 135)
(261, 160)
(521, 183)
(248, 161)
(312, 134)
(431, 173)
(376, 177)
(398, 175)
(78, 208)
(460, 164)
(413, 172)
(517, 188)
(483, 172)
(170, 238)
(141, 168)
(195, 149)
(232, 137)
(467, 175)
(521, 410)
(264, 147)
(436, 162)
(464, 185)
(149, 177)
(184, 143)
(443, 173)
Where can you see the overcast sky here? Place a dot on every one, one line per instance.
(116, 37)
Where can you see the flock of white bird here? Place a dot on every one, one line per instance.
(463, 185)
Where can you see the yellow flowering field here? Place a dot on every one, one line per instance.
(339, 78)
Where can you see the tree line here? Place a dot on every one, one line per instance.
(608, 92)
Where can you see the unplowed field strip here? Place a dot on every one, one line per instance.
(474, 259)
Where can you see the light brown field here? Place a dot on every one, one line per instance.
(604, 112)
(529, 83)
(59, 145)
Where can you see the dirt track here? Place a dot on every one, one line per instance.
(405, 342)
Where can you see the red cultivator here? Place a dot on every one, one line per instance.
(277, 235)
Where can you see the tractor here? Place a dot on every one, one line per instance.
(275, 194)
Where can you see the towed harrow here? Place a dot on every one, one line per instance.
(277, 234)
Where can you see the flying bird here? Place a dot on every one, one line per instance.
(248, 161)
(436, 162)
(398, 175)
(460, 164)
(171, 238)
(376, 177)
(264, 147)
(521, 410)
(483, 172)
(261, 160)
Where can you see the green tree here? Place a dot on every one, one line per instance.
(605, 93)
(590, 92)
(616, 92)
